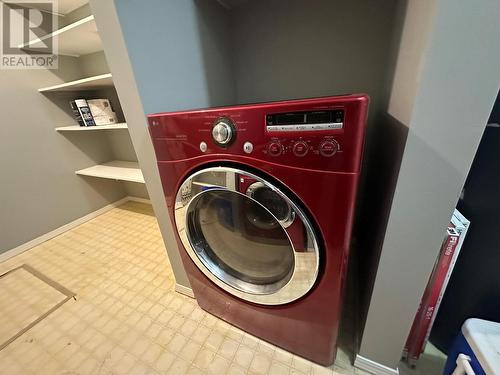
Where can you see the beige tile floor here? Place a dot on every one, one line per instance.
(126, 317)
(23, 299)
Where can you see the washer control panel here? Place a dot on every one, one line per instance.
(301, 147)
(224, 133)
(322, 134)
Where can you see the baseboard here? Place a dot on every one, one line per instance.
(373, 367)
(184, 290)
(56, 232)
(140, 200)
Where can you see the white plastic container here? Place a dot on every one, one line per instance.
(476, 351)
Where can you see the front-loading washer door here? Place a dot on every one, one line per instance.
(248, 238)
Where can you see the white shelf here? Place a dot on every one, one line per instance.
(76, 39)
(78, 128)
(115, 170)
(88, 83)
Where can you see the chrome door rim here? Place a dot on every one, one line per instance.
(306, 263)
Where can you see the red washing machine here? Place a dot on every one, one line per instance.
(262, 199)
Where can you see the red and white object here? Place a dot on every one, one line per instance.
(435, 289)
(461, 225)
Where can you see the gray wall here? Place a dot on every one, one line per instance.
(40, 191)
(453, 98)
(418, 23)
(179, 52)
(313, 48)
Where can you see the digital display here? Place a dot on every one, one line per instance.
(289, 118)
(305, 118)
(319, 117)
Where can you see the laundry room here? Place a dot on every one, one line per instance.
(248, 187)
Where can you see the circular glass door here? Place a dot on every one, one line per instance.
(246, 236)
(252, 258)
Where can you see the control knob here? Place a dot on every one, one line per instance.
(223, 132)
(275, 148)
(328, 147)
(300, 148)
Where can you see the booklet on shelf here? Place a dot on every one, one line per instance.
(102, 111)
(82, 112)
